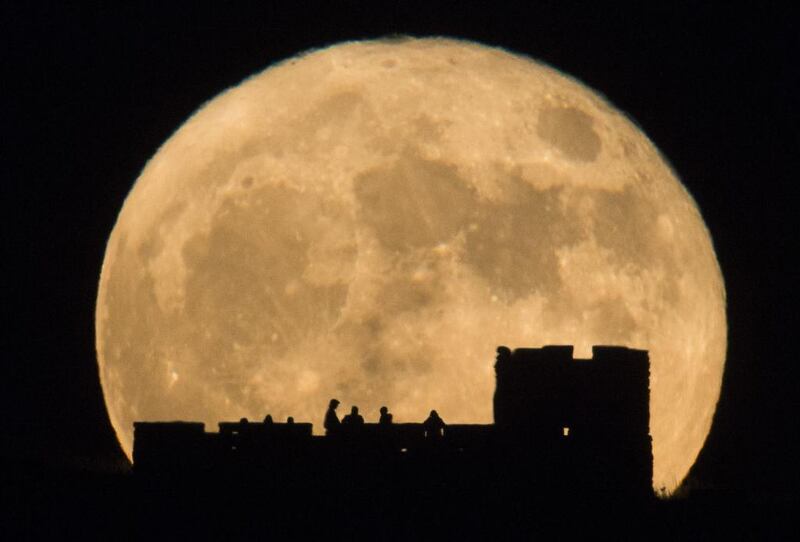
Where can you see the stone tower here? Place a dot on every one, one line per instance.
(586, 419)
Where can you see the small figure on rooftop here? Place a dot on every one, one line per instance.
(434, 426)
(386, 417)
(354, 418)
(331, 419)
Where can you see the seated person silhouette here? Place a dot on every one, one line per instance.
(242, 434)
(386, 417)
(353, 419)
(290, 420)
(243, 425)
(268, 419)
(434, 426)
(331, 419)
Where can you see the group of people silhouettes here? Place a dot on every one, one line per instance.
(353, 419)
(433, 425)
(269, 421)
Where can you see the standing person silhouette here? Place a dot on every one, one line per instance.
(434, 426)
(331, 419)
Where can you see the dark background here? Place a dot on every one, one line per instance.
(89, 94)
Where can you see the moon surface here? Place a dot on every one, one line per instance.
(369, 221)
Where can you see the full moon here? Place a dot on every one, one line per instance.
(371, 220)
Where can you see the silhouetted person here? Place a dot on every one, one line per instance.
(244, 421)
(268, 419)
(434, 426)
(290, 420)
(331, 419)
(386, 417)
(354, 418)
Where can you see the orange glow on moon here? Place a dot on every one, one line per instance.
(369, 221)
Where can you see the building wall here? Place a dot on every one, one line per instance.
(590, 417)
(561, 424)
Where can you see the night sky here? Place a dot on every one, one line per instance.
(91, 93)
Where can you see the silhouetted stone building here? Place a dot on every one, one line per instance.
(586, 420)
(561, 425)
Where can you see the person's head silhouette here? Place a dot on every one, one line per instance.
(354, 411)
(290, 420)
(333, 404)
(384, 410)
